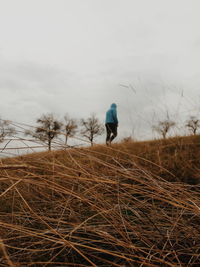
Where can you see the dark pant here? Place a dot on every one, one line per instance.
(111, 128)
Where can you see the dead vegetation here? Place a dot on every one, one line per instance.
(134, 204)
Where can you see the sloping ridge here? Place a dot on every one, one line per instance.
(124, 205)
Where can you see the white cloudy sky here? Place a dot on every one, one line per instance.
(72, 55)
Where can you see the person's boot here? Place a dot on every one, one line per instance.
(108, 143)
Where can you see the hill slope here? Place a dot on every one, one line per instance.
(121, 206)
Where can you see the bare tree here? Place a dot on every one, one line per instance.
(5, 130)
(47, 130)
(70, 127)
(91, 128)
(164, 127)
(193, 124)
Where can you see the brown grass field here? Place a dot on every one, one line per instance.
(132, 204)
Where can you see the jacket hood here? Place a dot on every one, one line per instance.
(113, 106)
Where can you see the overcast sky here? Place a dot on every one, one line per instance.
(72, 56)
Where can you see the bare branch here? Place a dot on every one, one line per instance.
(6, 130)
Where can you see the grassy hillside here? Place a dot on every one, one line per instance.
(132, 204)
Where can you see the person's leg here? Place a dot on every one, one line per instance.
(108, 133)
(114, 132)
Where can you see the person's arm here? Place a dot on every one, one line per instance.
(114, 113)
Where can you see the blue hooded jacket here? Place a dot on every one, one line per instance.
(111, 114)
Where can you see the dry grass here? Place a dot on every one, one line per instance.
(122, 206)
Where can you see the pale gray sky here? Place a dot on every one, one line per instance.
(72, 55)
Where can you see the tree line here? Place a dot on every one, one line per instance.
(49, 127)
(164, 127)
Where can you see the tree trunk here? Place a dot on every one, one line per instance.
(66, 139)
(91, 141)
(49, 144)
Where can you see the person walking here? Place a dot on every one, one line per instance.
(111, 124)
